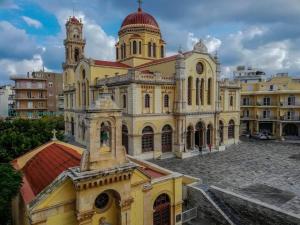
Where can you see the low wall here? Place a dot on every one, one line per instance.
(254, 211)
(205, 208)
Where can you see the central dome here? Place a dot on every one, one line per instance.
(140, 18)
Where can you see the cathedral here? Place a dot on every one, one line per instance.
(171, 105)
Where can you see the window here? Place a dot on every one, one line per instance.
(162, 210)
(147, 101)
(202, 92)
(76, 55)
(124, 101)
(271, 87)
(102, 201)
(267, 101)
(246, 101)
(154, 50)
(28, 94)
(209, 84)
(125, 137)
(166, 139)
(124, 46)
(162, 51)
(149, 49)
(122, 52)
(147, 139)
(291, 100)
(30, 105)
(190, 91)
(166, 101)
(266, 114)
(231, 129)
(134, 47)
(231, 100)
(50, 84)
(105, 134)
(117, 53)
(140, 47)
(197, 91)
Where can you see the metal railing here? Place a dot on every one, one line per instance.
(189, 215)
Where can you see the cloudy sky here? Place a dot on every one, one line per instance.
(261, 33)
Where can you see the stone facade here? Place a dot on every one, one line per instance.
(172, 105)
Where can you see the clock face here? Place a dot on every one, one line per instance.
(76, 31)
(102, 201)
(199, 68)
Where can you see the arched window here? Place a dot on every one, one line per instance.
(140, 47)
(124, 101)
(117, 53)
(166, 101)
(134, 47)
(124, 46)
(197, 91)
(147, 139)
(130, 48)
(209, 84)
(190, 91)
(202, 92)
(76, 55)
(166, 139)
(162, 51)
(105, 134)
(231, 129)
(125, 137)
(154, 50)
(162, 210)
(122, 52)
(231, 100)
(147, 101)
(149, 49)
(72, 126)
(83, 94)
(83, 130)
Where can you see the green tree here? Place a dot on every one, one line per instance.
(10, 184)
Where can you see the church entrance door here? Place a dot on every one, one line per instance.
(162, 210)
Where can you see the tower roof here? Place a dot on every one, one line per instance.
(140, 18)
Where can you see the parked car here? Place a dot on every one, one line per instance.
(264, 135)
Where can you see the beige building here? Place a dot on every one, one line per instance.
(272, 106)
(171, 105)
(38, 94)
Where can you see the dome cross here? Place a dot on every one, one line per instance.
(140, 4)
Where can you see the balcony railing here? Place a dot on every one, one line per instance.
(261, 117)
(290, 105)
(290, 118)
(30, 87)
(24, 97)
(189, 215)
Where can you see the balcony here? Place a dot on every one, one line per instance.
(290, 104)
(266, 105)
(294, 118)
(250, 117)
(267, 118)
(31, 87)
(24, 97)
(31, 108)
(69, 87)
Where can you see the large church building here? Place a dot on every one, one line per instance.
(175, 105)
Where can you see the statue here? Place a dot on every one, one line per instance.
(102, 221)
(200, 47)
(105, 134)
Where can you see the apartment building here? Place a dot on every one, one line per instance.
(248, 74)
(37, 95)
(272, 106)
(6, 101)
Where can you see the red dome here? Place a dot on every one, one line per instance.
(140, 17)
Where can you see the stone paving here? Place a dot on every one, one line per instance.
(265, 170)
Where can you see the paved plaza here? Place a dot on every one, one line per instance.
(266, 170)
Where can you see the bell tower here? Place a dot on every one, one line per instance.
(74, 42)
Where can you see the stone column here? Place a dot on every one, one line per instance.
(148, 208)
(225, 134)
(157, 145)
(236, 134)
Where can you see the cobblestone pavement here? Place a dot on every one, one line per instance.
(266, 170)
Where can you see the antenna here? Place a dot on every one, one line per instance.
(73, 7)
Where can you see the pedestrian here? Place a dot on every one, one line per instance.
(209, 146)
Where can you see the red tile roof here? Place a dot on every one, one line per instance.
(45, 167)
(110, 63)
(152, 173)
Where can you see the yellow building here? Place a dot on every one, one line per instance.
(271, 106)
(172, 105)
(67, 185)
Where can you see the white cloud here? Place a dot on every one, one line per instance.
(21, 67)
(32, 22)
